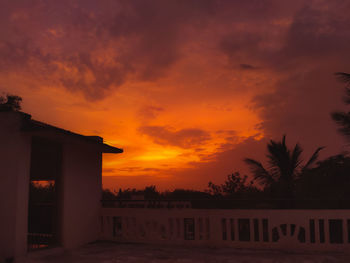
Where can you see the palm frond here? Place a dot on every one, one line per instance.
(279, 157)
(283, 142)
(259, 172)
(313, 158)
(295, 157)
(343, 120)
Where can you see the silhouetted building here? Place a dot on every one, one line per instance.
(50, 185)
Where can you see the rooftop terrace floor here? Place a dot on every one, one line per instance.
(141, 253)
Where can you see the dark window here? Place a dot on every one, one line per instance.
(292, 229)
(275, 235)
(301, 235)
(163, 231)
(117, 226)
(312, 230)
(256, 229)
(265, 224)
(189, 228)
(200, 226)
(127, 225)
(232, 225)
(178, 228)
(284, 229)
(171, 227)
(244, 229)
(336, 231)
(321, 228)
(207, 227)
(224, 229)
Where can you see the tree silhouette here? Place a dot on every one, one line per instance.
(10, 103)
(285, 166)
(343, 118)
(235, 185)
(328, 180)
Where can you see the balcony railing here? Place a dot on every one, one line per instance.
(39, 240)
(290, 229)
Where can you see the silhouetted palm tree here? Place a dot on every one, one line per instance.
(343, 118)
(285, 166)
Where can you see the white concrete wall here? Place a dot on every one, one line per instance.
(159, 226)
(14, 185)
(80, 193)
(81, 196)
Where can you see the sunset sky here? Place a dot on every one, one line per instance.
(187, 88)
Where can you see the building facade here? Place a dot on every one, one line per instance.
(34, 155)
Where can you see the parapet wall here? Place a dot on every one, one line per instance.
(292, 230)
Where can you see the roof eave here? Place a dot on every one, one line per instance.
(33, 126)
(110, 149)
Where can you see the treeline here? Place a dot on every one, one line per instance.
(324, 186)
(328, 180)
(151, 193)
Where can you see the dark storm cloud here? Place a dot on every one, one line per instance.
(16, 55)
(103, 76)
(303, 59)
(144, 39)
(241, 47)
(320, 31)
(185, 138)
(53, 42)
(58, 40)
(306, 91)
(300, 107)
(158, 29)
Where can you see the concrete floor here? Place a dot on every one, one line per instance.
(140, 253)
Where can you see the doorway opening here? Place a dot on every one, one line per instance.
(44, 194)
